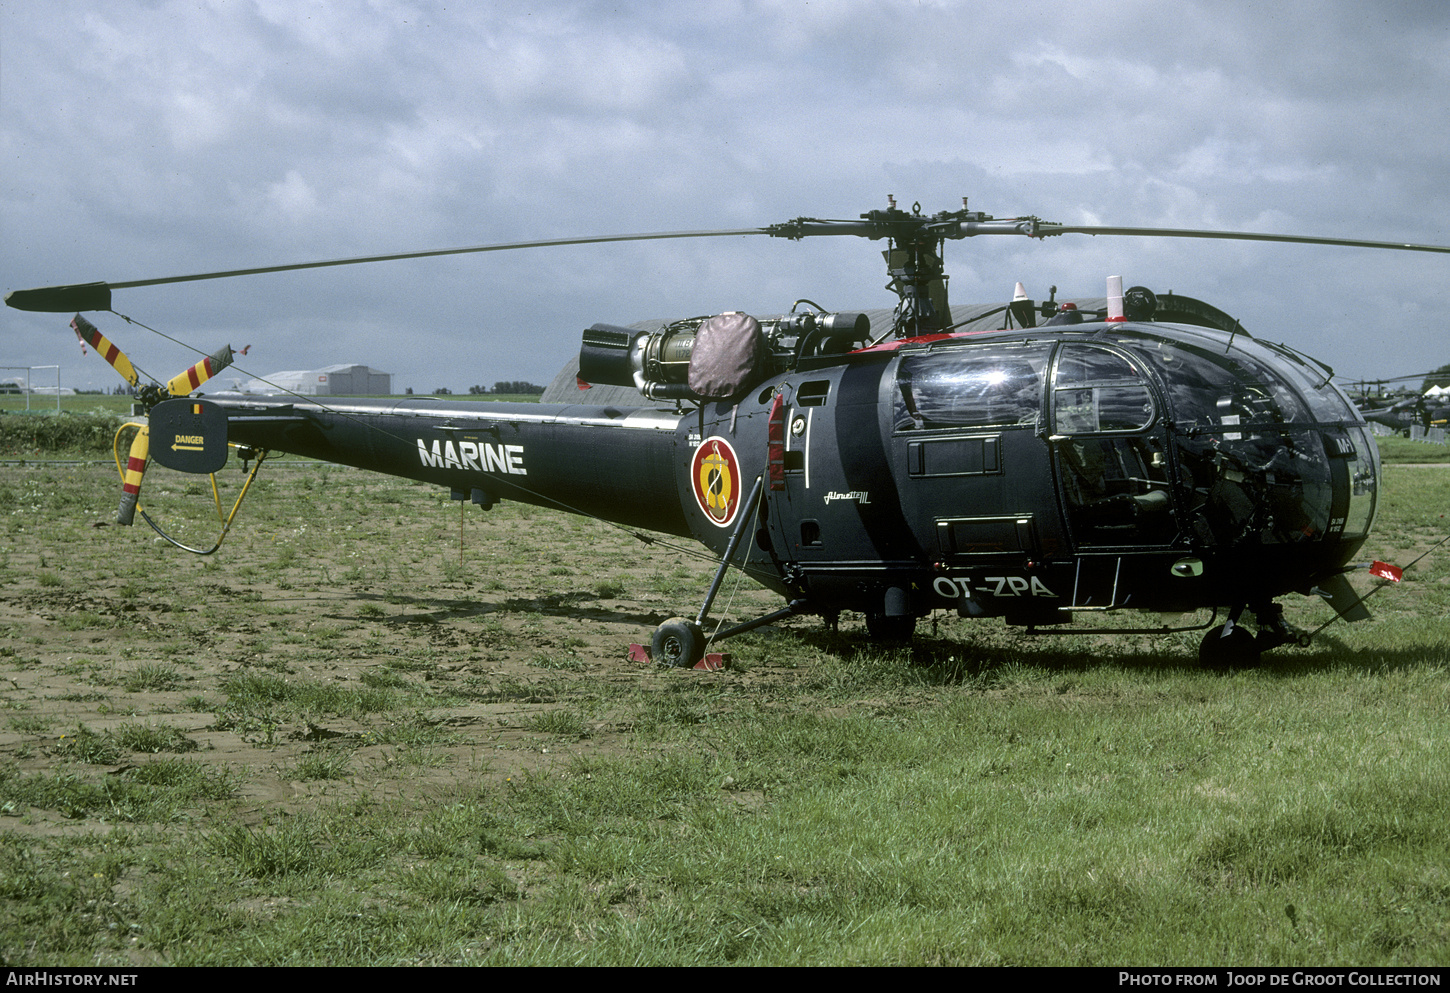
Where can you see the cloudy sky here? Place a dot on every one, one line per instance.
(143, 139)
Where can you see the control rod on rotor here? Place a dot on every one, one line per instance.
(914, 258)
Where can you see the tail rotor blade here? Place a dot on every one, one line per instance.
(91, 335)
(208, 367)
(135, 468)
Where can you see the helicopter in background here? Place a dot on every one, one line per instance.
(1132, 453)
(1405, 413)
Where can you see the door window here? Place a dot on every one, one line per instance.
(1113, 469)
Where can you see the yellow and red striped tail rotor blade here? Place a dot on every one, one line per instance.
(91, 335)
(135, 467)
(201, 372)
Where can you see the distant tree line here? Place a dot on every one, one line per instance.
(1440, 377)
(513, 387)
(510, 386)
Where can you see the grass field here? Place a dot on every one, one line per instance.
(372, 730)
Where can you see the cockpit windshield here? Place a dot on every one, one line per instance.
(1201, 386)
(1274, 450)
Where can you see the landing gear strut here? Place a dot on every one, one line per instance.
(1230, 646)
(890, 629)
(681, 642)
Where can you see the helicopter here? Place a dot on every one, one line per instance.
(1404, 414)
(1130, 454)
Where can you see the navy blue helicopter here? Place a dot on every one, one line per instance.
(1123, 455)
(1405, 413)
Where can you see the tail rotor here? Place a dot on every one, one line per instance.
(150, 395)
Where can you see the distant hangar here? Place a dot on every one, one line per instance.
(329, 381)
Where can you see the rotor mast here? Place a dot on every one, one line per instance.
(914, 255)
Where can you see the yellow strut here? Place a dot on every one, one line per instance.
(131, 480)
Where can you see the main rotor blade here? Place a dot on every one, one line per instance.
(97, 296)
(1046, 229)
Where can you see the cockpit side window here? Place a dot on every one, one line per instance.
(1106, 407)
(974, 386)
(1092, 365)
(1096, 391)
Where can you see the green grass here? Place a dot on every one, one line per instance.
(253, 693)
(82, 744)
(77, 404)
(1046, 814)
(322, 765)
(136, 736)
(151, 676)
(1397, 450)
(457, 776)
(565, 723)
(158, 791)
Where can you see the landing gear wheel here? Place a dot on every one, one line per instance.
(883, 628)
(1239, 650)
(678, 642)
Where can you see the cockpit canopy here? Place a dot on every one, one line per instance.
(1251, 434)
